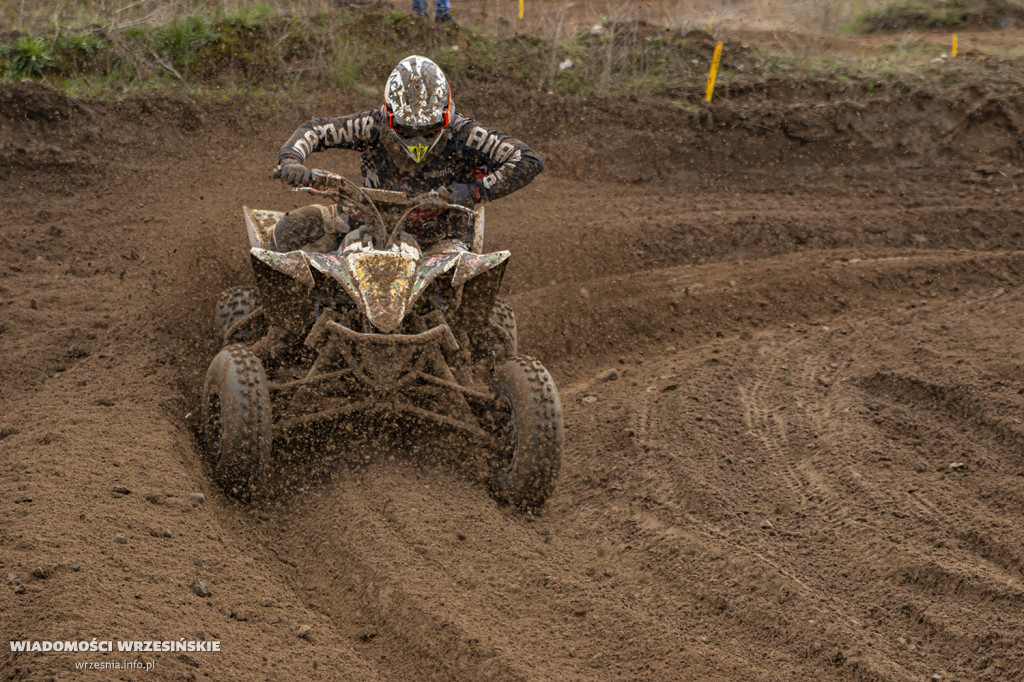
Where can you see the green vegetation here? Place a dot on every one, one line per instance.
(938, 14)
(344, 49)
(28, 57)
(255, 49)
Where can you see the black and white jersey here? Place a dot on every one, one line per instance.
(493, 164)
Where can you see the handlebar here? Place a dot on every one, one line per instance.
(326, 183)
(331, 184)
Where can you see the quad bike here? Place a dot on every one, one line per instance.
(377, 329)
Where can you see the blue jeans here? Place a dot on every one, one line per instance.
(420, 7)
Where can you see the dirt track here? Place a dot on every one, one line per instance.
(809, 466)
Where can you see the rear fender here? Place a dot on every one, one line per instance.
(478, 230)
(259, 224)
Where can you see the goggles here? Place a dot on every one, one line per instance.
(410, 132)
(417, 141)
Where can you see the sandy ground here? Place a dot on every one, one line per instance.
(807, 466)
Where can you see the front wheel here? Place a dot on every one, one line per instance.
(528, 433)
(237, 422)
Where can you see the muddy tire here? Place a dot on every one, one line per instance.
(503, 315)
(234, 304)
(528, 433)
(237, 422)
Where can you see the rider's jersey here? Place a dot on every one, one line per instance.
(491, 163)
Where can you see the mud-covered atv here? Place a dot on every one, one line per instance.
(377, 329)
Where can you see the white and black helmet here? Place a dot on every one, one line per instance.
(418, 103)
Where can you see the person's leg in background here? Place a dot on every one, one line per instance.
(443, 7)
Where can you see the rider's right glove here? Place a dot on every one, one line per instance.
(296, 175)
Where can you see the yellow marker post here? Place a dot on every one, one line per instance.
(714, 71)
(521, 8)
(954, 44)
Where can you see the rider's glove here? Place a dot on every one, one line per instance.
(295, 174)
(464, 195)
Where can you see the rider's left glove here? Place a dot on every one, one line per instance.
(296, 175)
(464, 195)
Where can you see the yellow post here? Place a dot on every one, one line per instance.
(521, 9)
(954, 44)
(714, 71)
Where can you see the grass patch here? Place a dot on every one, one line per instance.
(939, 14)
(255, 49)
(28, 57)
(349, 49)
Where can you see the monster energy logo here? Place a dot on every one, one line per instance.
(419, 151)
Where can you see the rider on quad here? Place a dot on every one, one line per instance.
(415, 143)
(378, 329)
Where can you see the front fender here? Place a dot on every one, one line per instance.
(284, 294)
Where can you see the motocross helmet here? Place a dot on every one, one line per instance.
(418, 105)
